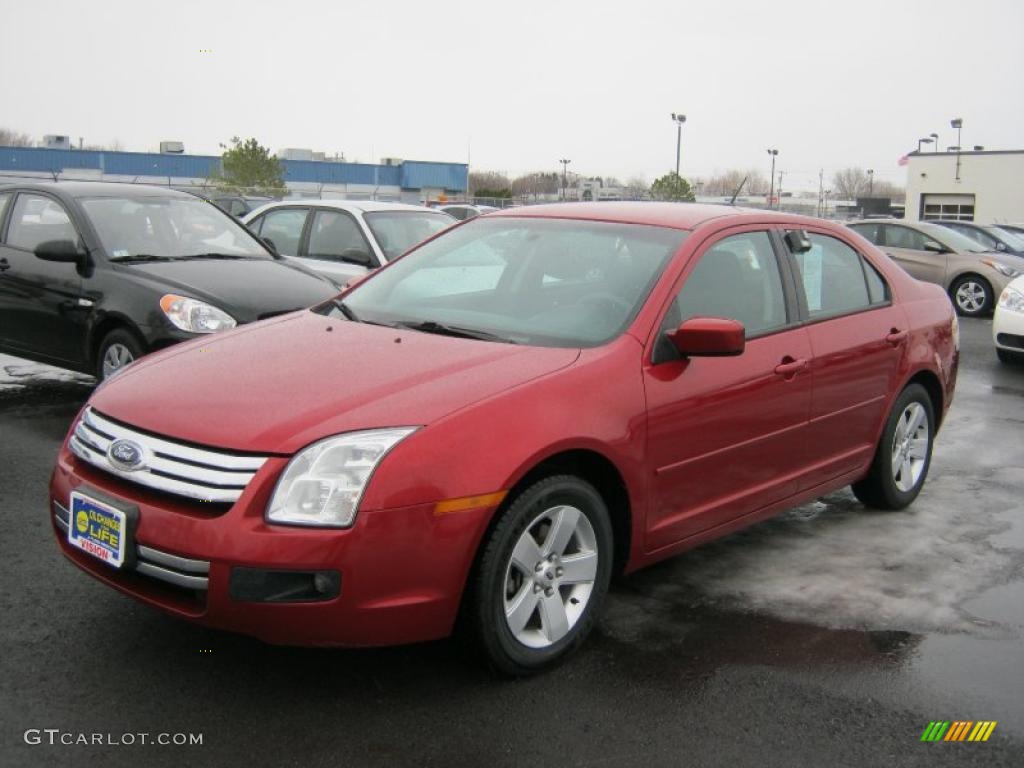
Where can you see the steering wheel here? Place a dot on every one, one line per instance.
(605, 301)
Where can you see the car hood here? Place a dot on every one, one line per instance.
(277, 386)
(247, 289)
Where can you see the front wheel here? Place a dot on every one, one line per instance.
(903, 455)
(543, 575)
(119, 349)
(972, 295)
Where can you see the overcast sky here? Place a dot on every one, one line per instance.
(517, 85)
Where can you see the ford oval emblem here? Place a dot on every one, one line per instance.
(125, 455)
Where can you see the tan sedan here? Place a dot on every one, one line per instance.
(972, 276)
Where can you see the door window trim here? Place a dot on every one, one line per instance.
(805, 315)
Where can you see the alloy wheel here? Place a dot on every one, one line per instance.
(115, 359)
(550, 576)
(970, 297)
(910, 447)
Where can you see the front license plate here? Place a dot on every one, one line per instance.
(98, 528)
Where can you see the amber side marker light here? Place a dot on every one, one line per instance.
(448, 506)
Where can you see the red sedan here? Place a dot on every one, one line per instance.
(494, 424)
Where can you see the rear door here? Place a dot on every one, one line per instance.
(858, 337)
(727, 435)
(906, 246)
(39, 300)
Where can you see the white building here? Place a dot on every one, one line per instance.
(983, 186)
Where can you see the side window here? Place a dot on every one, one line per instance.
(283, 227)
(255, 225)
(737, 278)
(836, 279)
(870, 232)
(982, 238)
(335, 235)
(903, 237)
(239, 208)
(37, 219)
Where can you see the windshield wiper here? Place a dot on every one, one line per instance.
(215, 256)
(141, 257)
(431, 326)
(346, 310)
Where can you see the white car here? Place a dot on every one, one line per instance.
(1008, 323)
(342, 239)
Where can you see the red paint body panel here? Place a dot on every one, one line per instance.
(702, 446)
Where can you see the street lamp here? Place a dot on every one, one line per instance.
(678, 120)
(923, 141)
(935, 138)
(871, 181)
(958, 123)
(565, 166)
(771, 187)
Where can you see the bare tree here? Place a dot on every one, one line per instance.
(888, 189)
(9, 138)
(848, 183)
(726, 184)
(536, 183)
(636, 188)
(489, 181)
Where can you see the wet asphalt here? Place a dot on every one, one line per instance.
(830, 635)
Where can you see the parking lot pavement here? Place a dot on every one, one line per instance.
(830, 635)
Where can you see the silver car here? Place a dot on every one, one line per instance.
(973, 276)
(342, 239)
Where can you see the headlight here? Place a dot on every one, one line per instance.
(1003, 269)
(195, 316)
(323, 483)
(1011, 300)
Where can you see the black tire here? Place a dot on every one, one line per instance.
(123, 339)
(494, 575)
(879, 488)
(1010, 358)
(986, 303)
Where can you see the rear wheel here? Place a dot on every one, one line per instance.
(119, 349)
(972, 295)
(543, 575)
(904, 453)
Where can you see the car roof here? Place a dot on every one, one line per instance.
(365, 206)
(99, 189)
(674, 215)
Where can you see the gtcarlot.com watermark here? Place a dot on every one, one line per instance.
(57, 737)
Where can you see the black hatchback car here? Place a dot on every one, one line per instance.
(94, 275)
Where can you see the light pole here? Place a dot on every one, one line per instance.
(565, 166)
(935, 138)
(958, 123)
(678, 120)
(925, 140)
(871, 181)
(771, 184)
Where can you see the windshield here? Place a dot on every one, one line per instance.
(951, 238)
(1012, 239)
(546, 282)
(168, 227)
(398, 231)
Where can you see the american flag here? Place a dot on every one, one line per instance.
(902, 160)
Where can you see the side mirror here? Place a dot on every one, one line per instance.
(709, 337)
(1000, 246)
(934, 247)
(356, 256)
(59, 250)
(797, 241)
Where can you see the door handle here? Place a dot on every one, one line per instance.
(896, 337)
(789, 366)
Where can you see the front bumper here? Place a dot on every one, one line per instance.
(1008, 330)
(402, 570)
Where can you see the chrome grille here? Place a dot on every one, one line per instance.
(198, 473)
(173, 569)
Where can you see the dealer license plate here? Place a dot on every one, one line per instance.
(98, 528)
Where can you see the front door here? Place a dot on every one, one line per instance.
(906, 246)
(727, 435)
(39, 310)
